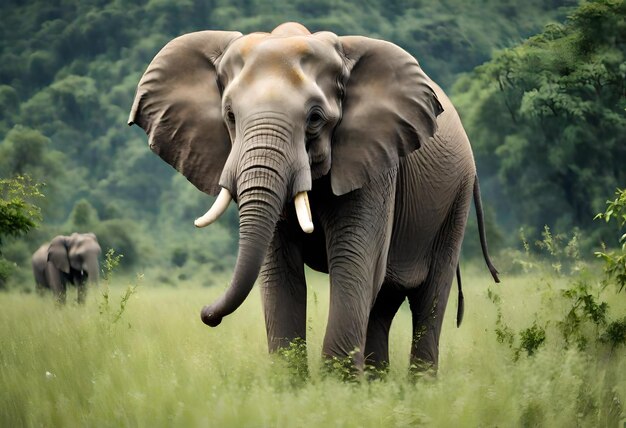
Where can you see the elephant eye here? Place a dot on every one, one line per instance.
(230, 116)
(315, 122)
(315, 118)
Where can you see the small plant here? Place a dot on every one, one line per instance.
(585, 313)
(615, 333)
(615, 261)
(111, 261)
(504, 334)
(295, 358)
(531, 339)
(344, 368)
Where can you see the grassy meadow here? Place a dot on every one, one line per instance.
(153, 363)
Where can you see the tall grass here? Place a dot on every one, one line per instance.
(158, 365)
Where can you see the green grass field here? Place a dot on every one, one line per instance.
(158, 365)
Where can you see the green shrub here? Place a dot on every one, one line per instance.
(119, 235)
(578, 313)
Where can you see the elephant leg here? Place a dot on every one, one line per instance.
(358, 231)
(283, 291)
(56, 281)
(428, 302)
(388, 301)
(80, 279)
(82, 292)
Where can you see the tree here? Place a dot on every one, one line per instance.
(18, 214)
(547, 118)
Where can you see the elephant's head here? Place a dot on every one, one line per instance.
(79, 252)
(259, 117)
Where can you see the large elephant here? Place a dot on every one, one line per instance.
(266, 118)
(67, 260)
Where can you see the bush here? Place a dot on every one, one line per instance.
(577, 314)
(6, 270)
(119, 235)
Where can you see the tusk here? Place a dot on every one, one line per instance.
(303, 210)
(218, 208)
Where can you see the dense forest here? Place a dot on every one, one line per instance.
(540, 86)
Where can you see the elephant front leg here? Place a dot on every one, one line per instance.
(56, 281)
(79, 278)
(358, 231)
(283, 291)
(82, 292)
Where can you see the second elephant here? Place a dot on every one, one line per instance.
(67, 260)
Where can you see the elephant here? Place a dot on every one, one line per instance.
(67, 259)
(369, 149)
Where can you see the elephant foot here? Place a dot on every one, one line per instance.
(209, 317)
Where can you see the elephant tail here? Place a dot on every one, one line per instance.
(481, 231)
(461, 307)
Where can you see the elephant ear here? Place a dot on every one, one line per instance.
(58, 253)
(178, 104)
(389, 110)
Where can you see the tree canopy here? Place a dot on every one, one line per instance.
(547, 119)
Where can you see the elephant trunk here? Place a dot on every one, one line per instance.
(263, 181)
(93, 269)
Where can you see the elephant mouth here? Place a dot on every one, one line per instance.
(301, 202)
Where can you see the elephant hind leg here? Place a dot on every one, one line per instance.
(428, 301)
(388, 301)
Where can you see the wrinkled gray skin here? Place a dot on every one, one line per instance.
(67, 260)
(269, 115)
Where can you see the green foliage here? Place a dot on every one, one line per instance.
(615, 261)
(342, 369)
(585, 316)
(294, 358)
(615, 333)
(112, 316)
(83, 216)
(111, 262)
(531, 339)
(582, 318)
(119, 235)
(7, 269)
(504, 333)
(179, 256)
(547, 121)
(18, 212)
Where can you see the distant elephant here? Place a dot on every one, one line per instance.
(67, 259)
(267, 117)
